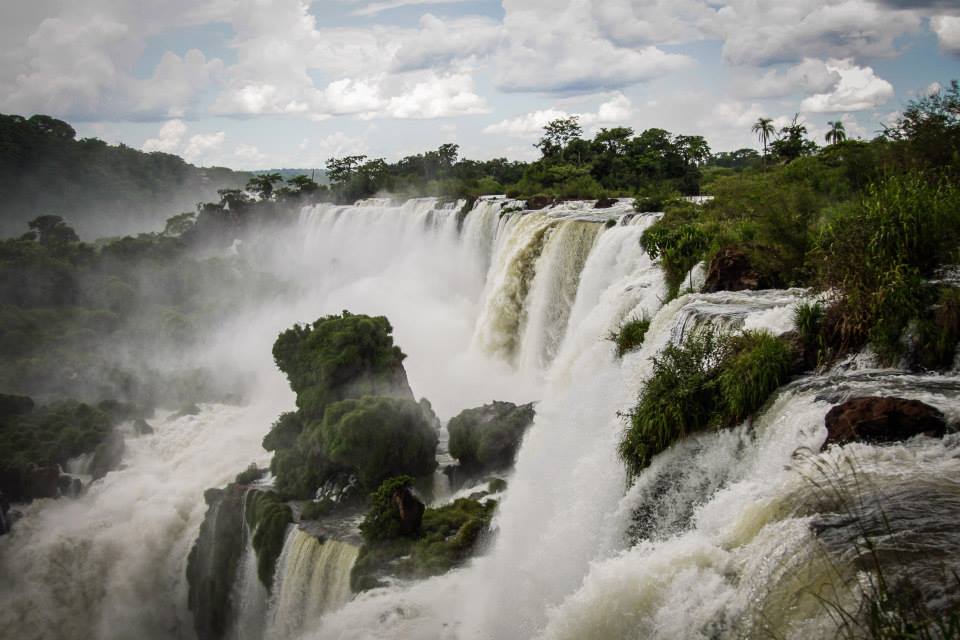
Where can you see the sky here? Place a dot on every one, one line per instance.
(290, 83)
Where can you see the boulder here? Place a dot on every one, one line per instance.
(410, 509)
(882, 419)
(107, 455)
(70, 486)
(730, 270)
(487, 438)
(604, 203)
(43, 482)
(539, 202)
(141, 427)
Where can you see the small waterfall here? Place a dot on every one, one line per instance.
(313, 578)
(249, 596)
(552, 294)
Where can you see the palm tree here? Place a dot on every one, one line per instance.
(837, 133)
(763, 127)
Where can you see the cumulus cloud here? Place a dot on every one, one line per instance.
(177, 83)
(947, 29)
(202, 147)
(859, 89)
(616, 111)
(787, 31)
(437, 97)
(168, 138)
(378, 7)
(809, 76)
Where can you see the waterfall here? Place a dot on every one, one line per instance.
(313, 578)
(722, 536)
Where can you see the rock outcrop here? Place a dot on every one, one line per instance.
(604, 203)
(730, 270)
(410, 510)
(213, 562)
(107, 455)
(538, 202)
(487, 438)
(882, 419)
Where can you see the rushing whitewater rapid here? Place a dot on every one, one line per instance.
(716, 539)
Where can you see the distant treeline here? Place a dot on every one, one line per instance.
(101, 189)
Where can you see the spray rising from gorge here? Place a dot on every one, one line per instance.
(716, 538)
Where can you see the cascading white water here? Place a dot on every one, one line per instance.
(312, 578)
(708, 542)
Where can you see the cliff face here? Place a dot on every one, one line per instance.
(213, 561)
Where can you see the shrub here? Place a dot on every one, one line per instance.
(809, 322)
(938, 331)
(268, 517)
(758, 364)
(679, 247)
(877, 252)
(249, 475)
(488, 437)
(709, 380)
(680, 397)
(630, 334)
(378, 438)
(382, 521)
(299, 471)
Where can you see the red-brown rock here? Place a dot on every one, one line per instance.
(730, 270)
(882, 419)
(410, 509)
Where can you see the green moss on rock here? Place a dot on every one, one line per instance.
(268, 518)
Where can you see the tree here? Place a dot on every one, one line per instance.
(792, 142)
(763, 127)
(53, 230)
(339, 170)
(263, 184)
(837, 133)
(557, 134)
(447, 154)
(303, 184)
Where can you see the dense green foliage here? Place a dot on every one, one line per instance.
(356, 413)
(488, 437)
(339, 357)
(709, 380)
(268, 518)
(448, 535)
(630, 334)
(378, 438)
(100, 187)
(44, 436)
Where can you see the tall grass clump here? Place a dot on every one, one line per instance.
(877, 253)
(679, 247)
(630, 334)
(710, 380)
(679, 398)
(938, 332)
(892, 604)
(758, 364)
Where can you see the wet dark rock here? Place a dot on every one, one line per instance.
(730, 270)
(799, 362)
(604, 203)
(214, 560)
(107, 455)
(539, 202)
(882, 419)
(4, 510)
(141, 427)
(410, 510)
(486, 438)
(70, 486)
(43, 482)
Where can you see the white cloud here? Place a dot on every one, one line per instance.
(616, 111)
(203, 147)
(859, 89)
(176, 83)
(809, 76)
(168, 138)
(561, 48)
(437, 97)
(762, 33)
(947, 29)
(378, 7)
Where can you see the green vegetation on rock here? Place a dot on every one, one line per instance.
(268, 518)
(487, 437)
(44, 437)
(710, 380)
(630, 334)
(446, 537)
